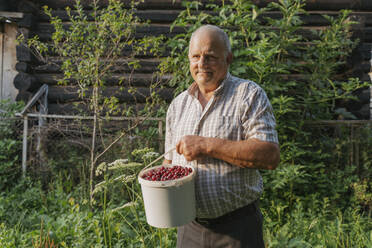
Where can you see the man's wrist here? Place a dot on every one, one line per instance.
(209, 146)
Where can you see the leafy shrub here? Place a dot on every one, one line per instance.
(10, 144)
(316, 198)
(300, 76)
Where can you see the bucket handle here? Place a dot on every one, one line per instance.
(160, 157)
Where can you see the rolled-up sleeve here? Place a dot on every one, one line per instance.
(257, 117)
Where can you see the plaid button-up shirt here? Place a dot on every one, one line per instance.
(238, 110)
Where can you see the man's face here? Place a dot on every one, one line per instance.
(209, 59)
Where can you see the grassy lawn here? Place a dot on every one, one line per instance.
(62, 217)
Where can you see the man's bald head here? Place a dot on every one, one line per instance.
(213, 31)
(209, 57)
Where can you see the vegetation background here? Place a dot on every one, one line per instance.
(317, 197)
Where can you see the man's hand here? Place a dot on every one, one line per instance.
(251, 153)
(192, 147)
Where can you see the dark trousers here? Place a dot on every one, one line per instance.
(239, 229)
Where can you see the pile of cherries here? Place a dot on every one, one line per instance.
(166, 173)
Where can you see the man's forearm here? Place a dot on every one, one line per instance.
(250, 153)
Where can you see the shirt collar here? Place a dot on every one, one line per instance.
(222, 85)
(193, 89)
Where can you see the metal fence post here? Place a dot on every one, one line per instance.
(24, 144)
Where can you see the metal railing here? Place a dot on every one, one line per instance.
(42, 94)
(41, 97)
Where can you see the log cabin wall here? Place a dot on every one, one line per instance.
(8, 33)
(31, 75)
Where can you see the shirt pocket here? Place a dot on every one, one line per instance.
(224, 127)
(184, 126)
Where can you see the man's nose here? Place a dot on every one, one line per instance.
(203, 61)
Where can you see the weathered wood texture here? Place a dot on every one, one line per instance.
(161, 14)
(45, 30)
(80, 108)
(177, 4)
(71, 94)
(312, 18)
(136, 80)
(8, 61)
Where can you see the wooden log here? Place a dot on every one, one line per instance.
(316, 18)
(144, 80)
(327, 4)
(24, 96)
(364, 66)
(367, 34)
(306, 77)
(358, 28)
(362, 113)
(356, 57)
(79, 108)
(311, 18)
(26, 82)
(137, 79)
(143, 76)
(27, 21)
(364, 49)
(360, 69)
(23, 53)
(355, 66)
(70, 94)
(147, 65)
(365, 78)
(6, 6)
(359, 105)
(158, 16)
(28, 6)
(53, 67)
(45, 30)
(67, 108)
(364, 96)
(163, 4)
(25, 32)
(22, 67)
(126, 53)
(177, 4)
(153, 15)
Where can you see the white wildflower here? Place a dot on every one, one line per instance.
(101, 168)
(126, 205)
(150, 155)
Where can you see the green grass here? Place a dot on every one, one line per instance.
(32, 217)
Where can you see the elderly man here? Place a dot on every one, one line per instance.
(225, 128)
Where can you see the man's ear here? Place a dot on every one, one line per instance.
(229, 58)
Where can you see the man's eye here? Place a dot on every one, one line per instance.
(195, 57)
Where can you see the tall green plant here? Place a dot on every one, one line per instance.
(91, 46)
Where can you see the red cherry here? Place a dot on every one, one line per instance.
(167, 173)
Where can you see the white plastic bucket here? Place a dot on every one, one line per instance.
(169, 203)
